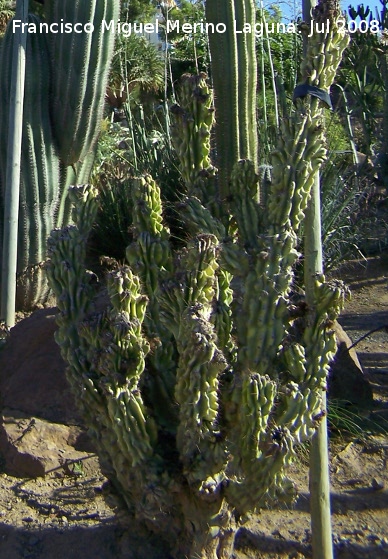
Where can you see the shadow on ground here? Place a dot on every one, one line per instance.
(368, 321)
(277, 547)
(104, 541)
(109, 540)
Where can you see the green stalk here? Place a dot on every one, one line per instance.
(319, 461)
(273, 78)
(12, 186)
(319, 457)
(262, 72)
(348, 125)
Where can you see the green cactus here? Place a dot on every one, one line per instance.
(39, 192)
(234, 76)
(65, 84)
(193, 121)
(80, 66)
(79, 173)
(199, 373)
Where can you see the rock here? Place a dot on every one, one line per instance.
(32, 371)
(40, 427)
(32, 447)
(347, 381)
(377, 484)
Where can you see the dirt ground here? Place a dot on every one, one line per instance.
(67, 515)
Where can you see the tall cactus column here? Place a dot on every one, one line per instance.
(80, 67)
(234, 75)
(39, 171)
(192, 124)
(66, 78)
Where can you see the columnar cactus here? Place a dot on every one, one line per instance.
(199, 373)
(80, 66)
(39, 193)
(234, 75)
(66, 76)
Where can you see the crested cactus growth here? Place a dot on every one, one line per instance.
(202, 373)
(65, 84)
(80, 65)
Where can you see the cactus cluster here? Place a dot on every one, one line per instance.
(194, 118)
(66, 75)
(197, 368)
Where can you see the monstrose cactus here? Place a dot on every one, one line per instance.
(197, 369)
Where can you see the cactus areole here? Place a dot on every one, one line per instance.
(196, 370)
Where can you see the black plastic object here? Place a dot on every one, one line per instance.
(304, 89)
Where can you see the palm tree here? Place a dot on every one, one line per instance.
(137, 71)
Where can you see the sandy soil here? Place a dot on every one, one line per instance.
(67, 515)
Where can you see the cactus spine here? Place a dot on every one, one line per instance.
(201, 375)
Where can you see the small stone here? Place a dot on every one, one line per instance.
(377, 484)
(28, 519)
(278, 534)
(359, 533)
(373, 537)
(64, 520)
